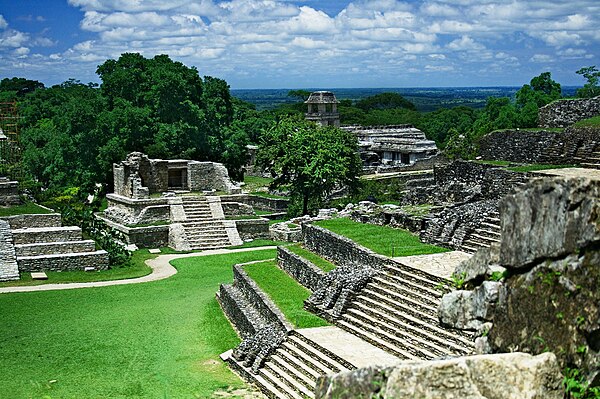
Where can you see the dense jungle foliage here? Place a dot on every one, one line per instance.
(72, 133)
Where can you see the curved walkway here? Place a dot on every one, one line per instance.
(161, 269)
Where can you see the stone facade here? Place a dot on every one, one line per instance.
(563, 113)
(138, 176)
(258, 202)
(322, 109)
(8, 260)
(9, 192)
(392, 145)
(143, 237)
(252, 229)
(97, 260)
(32, 221)
(516, 145)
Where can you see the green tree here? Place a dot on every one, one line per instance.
(385, 101)
(309, 159)
(299, 94)
(540, 91)
(590, 88)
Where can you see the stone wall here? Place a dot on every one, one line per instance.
(32, 221)
(143, 237)
(563, 113)
(260, 301)
(32, 236)
(258, 202)
(206, 176)
(9, 192)
(516, 145)
(302, 270)
(236, 209)
(420, 164)
(8, 261)
(130, 211)
(49, 248)
(64, 262)
(576, 145)
(251, 229)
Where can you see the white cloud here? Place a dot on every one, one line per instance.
(542, 58)
(3, 23)
(465, 43)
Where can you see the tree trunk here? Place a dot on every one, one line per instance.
(305, 204)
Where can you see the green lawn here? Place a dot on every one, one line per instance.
(534, 167)
(594, 121)
(152, 340)
(383, 240)
(288, 295)
(259, 243)
(321, 263)
(26, 208)
(255, 183)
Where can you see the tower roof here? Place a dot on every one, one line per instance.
(322, 97)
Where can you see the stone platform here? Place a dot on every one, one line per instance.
(593, 174)
(349, 347)
(440, 265)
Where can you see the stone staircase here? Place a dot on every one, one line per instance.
(592, 162)
(204, 229)
(397, 312)
(484, 236)
(51, 247)
(292, 370)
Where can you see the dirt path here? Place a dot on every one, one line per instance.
(161, 269)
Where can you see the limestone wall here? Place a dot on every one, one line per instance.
(63, 262)
(258, 202)
(8, 260)
(260, 301)
(303, 271)
(31, 221)
(251, 229)
(563, 113)
(516, 145)
(143, 237)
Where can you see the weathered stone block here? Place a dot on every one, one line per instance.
(501, 376)
(551, 218)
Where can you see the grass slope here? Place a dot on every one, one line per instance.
(153, 340)
(288, 295)
(321, 263)
(383, 240)
(24, 209)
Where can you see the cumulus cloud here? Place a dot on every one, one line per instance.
(250, 38)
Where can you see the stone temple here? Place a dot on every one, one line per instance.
(393, 144)
(322, 109)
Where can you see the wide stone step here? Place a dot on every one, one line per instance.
(317, 355)
(470, 248)
(299, 371)
(282, 389)
(375, 340)
(489, 233)
(400, 303)
(303, 365)
(396, 283)
(398, 339)
(442, 339)
(46, 234)
(98, 260)
(415, 277)
(287, 378)
(411, 316)
(483, 239)
(419, 340)
(399, 293)
(48, 248)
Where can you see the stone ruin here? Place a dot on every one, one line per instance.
(392, 145)
(138, 176)
(322, 109)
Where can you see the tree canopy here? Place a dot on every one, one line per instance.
(590, 88)
(385, 101)
(310, 160)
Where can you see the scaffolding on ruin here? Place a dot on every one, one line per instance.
(10, 148)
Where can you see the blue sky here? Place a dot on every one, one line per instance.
(311, 43)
